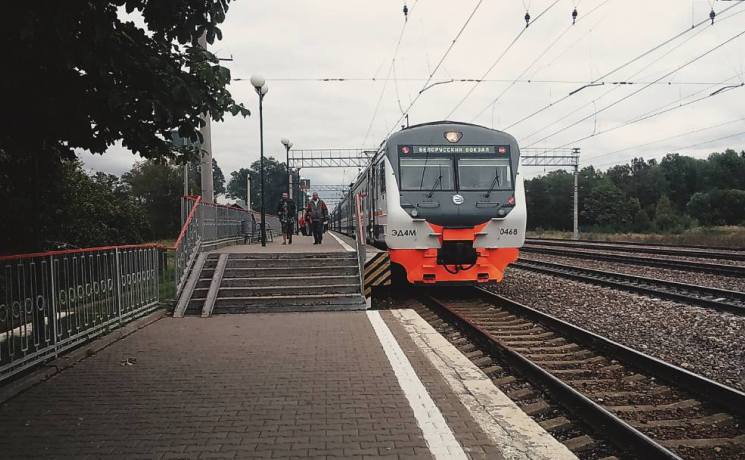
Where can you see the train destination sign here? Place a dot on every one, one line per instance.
(457, 149)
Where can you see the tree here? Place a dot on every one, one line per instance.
(99, 78)
(666, 218)
(606, 206)
(77, 208)
(718, 207)
(98, 211)
(195, 178)
(157, 187)
(91, 77)
(275, 183)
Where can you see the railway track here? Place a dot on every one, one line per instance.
(643, 406)
(637, 246)
(685, 265)
(703, 296)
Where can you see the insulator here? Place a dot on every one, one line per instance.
(527, 19)
(574, 16)
(406, 12)
(712, 15)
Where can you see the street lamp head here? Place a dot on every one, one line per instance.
(257, 81)
(264, 89)
(285, 141)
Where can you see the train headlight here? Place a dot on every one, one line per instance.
(414, 213)
(453, 136)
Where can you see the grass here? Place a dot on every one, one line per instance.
(167, 280)
(722, 237)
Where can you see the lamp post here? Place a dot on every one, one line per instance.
(261, 88)
(288, 145)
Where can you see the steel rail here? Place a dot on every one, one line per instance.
(619, 432)
(733, 400)
(703, 296)
(641, 243)
(611, 426)
(704, 253)
(704, 267)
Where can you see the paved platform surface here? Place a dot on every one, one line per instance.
(300, 243)
(292, 385)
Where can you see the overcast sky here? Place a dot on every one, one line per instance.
(290, 40)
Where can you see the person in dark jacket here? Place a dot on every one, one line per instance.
(286, 212)
(316, 213)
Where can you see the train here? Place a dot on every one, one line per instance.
(445, 199)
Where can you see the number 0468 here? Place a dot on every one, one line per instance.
(508, 231)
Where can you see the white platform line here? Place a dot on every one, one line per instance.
(437, 433)
(346, 247)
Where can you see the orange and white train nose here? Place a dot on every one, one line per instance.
(456, 260)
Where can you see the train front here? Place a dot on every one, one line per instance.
(459, 212)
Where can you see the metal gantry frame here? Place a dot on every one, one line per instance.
(558, 157)
(361, 157)
(330, 158)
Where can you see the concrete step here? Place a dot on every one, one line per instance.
(272, 272)
(294, 255)
(275, 291)
(282, 281)
(321, 302)
(291, 263)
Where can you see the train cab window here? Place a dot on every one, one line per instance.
(484, 174)
(381, 177)
(426, 173)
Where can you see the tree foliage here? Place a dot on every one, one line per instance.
(86, 75)
(665, 196)
(275, 183)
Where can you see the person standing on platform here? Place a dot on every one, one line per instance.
(316, 213)
(286, 212)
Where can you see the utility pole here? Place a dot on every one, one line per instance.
(208, 193)
(575, 234)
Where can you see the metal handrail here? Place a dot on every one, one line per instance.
(359, 239)
(52, 301)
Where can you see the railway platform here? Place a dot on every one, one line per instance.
(339, 384)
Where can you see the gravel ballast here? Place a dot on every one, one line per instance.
(670, 258)
(707, 342)
(702, 279)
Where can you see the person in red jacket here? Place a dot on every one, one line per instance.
(316, 213)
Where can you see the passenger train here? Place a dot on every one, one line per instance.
(445, 199)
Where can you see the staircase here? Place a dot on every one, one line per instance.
(242, 283)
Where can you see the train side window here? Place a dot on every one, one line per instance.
(382, 177)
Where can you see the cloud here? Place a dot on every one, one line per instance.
(296, 39)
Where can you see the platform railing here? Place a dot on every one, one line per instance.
(53, 301)
(359, 238)
(206, 226)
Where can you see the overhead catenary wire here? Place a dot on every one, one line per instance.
(657, 141)
(390, 70)
(634, 93)
(631, 77)
(533, 63)
(439, 63)
(499, 58)
(621, 66)
(661, 110)
(530, 81)
(691, 146)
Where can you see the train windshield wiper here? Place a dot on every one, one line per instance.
(434, 186)
(493, 183)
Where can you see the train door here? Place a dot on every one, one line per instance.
(380, 206)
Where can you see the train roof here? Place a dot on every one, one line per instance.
(448, 122)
